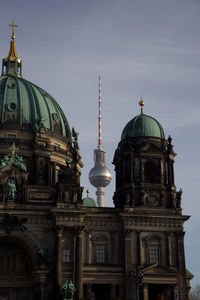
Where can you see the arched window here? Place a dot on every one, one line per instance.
(153, 249)
(151, 172)
(100, 250)
(13, 259)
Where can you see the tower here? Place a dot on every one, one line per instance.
(100, 175)
(153, 220)
(40, 169)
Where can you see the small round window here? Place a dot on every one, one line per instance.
(12, 106)
(55, 116)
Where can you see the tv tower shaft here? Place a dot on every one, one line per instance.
(100, 175)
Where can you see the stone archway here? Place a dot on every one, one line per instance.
(17, 280)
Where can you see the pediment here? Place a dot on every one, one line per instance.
(158, 269)
(12, 168)
(12, 162)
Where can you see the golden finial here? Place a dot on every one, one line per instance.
(12, 64)
(13, 25)
(141, 103)
(87, 191)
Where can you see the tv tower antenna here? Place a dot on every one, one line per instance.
(100, 175)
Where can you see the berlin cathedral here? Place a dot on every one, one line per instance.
(51, 238)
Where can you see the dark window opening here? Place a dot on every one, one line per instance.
(150, 173)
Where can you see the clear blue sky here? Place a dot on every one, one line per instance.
(138, 47)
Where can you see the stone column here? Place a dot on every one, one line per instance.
(128, 265)
(138, 248)
(43, 282)
(142, 170)
(169, 249)
(145, 292)
(114, 247)
(89, 292)
(183, 295)
(59, 256)
(89, 249)
(117, 253)
(79, 263)
(121, 292)
(162, 170)
(113, 292)
(171, 172)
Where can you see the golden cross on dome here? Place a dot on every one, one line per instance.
(13, 25)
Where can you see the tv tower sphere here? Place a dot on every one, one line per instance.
(100, 175)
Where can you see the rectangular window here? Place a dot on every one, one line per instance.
(100, 253)
(153, 254)
(12, 136)
(66, 256)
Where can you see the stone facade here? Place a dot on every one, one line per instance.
(134, 250)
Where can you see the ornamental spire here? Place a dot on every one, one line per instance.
(141, 103)
(12, 64)
(13, 25)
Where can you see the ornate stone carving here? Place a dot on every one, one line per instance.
(13, 158)
(10, 223)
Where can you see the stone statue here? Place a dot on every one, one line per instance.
(68, 290)
(11, 190)
(19, 162)
(11, 222)
(42, 255)
(178, 198)
(13, 159)
(5, 161)
(75, 138)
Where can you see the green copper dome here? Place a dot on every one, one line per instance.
(25, 105)
(89, 202)
(143, 126)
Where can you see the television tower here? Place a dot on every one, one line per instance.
(100, 175)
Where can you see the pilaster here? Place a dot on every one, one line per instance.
(79, 263)
(59, 232)
(128, 263)
(145, 292)
(183, 295)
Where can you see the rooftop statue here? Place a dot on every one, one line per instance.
(75, 138)
(13, 158)
(10, 223)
